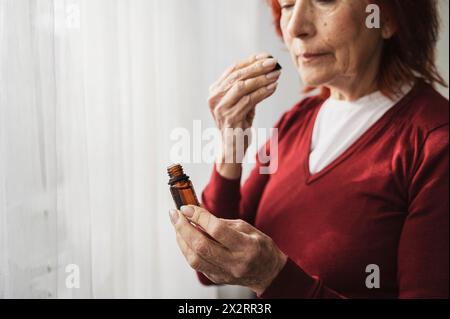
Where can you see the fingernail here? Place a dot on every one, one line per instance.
(173, 213)
(278, 67)
(273, 75)
(187, 211)
(269, 62)
(272, 86)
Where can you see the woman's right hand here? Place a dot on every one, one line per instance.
(232, 101)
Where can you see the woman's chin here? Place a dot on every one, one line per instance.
(314, 77)
(315, 80)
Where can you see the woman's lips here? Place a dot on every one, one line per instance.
(312, 57)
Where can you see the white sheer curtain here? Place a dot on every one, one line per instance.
(89, 93)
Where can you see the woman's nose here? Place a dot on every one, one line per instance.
(301, 22)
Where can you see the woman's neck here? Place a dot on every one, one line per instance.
(352, 93)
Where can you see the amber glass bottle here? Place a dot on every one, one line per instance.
(183, 192)
(181, 187)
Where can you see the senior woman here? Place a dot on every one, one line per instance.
(358, 207)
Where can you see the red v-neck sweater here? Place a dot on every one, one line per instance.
(384, 201)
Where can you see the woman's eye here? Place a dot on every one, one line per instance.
(286, 6)
(326, 1)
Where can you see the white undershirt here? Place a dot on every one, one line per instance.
(340, 123)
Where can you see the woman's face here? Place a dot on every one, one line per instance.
(328, 40)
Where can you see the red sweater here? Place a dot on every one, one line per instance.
(384, 201)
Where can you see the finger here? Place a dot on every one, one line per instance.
(241, 226)
(196, 261)
(244, 87)
(241, 64)
(253, 99)
(246, 229)
(245, 108)
(225, 111)
(259, 67)
(215, 227)
(219, 89)
(250, 115)
(201, 245)
(215, 279)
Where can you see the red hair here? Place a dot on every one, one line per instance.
(410, 53)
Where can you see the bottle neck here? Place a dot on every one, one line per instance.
(178, 178)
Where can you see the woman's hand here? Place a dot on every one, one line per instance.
(239, 254)
(232, 100)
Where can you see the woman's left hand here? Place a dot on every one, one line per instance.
(239, 254)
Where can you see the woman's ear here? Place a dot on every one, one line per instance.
(388, 28)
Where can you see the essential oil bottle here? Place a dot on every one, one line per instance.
(181, 187)
(183, 192)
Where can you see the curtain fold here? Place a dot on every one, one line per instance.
(90, 92)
